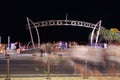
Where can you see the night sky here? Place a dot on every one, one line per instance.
(13, 15)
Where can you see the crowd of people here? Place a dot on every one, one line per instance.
(57, 46)
(16, 46)
(44, 47)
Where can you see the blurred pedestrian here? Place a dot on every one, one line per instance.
(17, 44)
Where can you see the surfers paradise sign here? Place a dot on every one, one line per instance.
(66, 22)
(63, 23)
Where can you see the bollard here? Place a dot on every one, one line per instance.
(8, 67)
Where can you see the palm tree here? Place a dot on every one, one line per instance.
(104, 34)
(109, 36)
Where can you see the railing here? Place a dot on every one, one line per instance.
(55, 66)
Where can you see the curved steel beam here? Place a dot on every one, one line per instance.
(98, 31)
(63, 23)
(30, 32)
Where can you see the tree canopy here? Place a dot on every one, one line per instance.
(108, 36)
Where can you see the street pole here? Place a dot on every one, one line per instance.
(8, 42)
(8, 67)
(86, 70)
(48, 51)
(48, 67)
(0, 39)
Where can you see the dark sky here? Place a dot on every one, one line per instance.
(13, 15)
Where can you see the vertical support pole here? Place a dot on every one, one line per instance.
(30, 33)
(8, 67)
(48, 67)
(8, 42)
(113, 70)
(93, 31)
(66, 19)
(92, 35)
(86, 70)
(119, 72)
(36, 32)
(48, 50)
(0, 45)
(98, 31)
(0, 39)
(38, 36)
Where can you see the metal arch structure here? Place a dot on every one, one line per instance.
(66, 22)
(63, 23)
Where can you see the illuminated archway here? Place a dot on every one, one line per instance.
(66, 22)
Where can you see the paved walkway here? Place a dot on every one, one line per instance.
(66, 78)
(45, 78)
